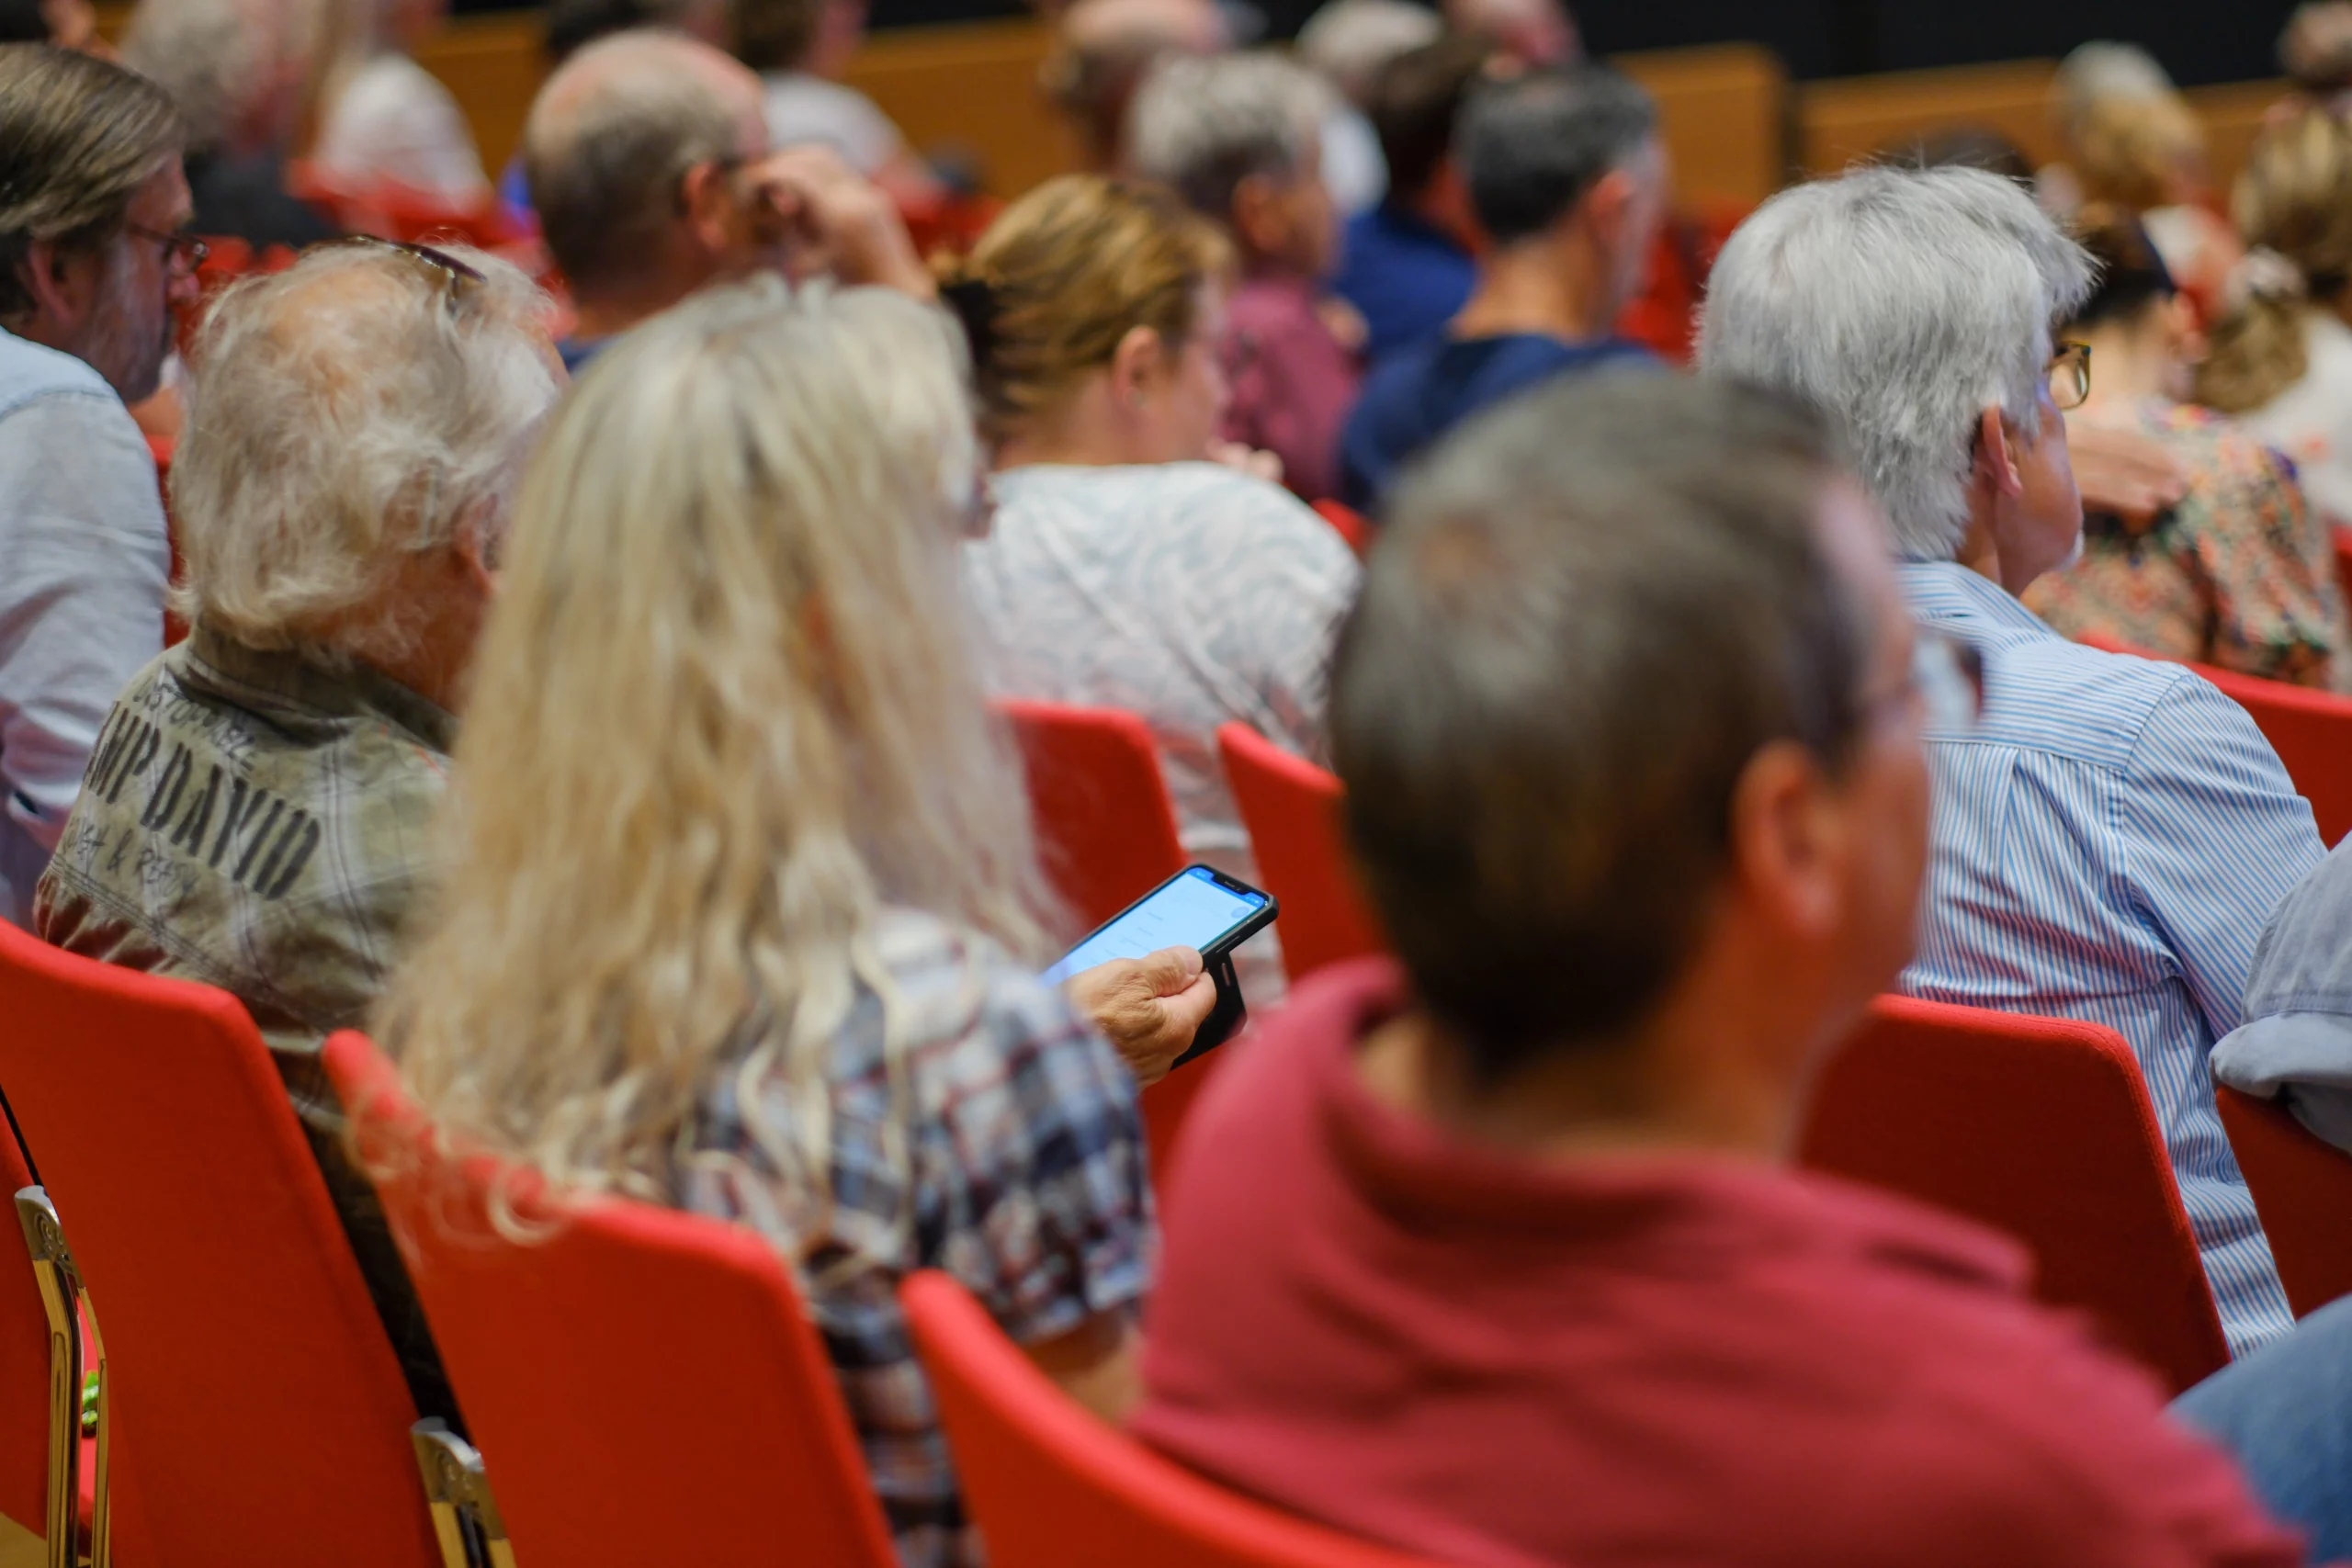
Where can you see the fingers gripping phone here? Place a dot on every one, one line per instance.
(1199, 907)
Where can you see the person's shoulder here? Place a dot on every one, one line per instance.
(2082, 702)
(31, 371)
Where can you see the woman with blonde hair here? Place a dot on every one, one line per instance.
(2281, 355)
(1126, 568)
(740, 912)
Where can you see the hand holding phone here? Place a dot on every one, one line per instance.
(1150, 1008)
(1199, 909)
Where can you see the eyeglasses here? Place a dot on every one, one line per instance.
(457, 278)
(182, 252)
(1946, 676)
(2070, 374)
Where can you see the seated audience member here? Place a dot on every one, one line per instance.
(1102, 51)
(2315, 55)
(1556, 1304)
(1406, 265)
(237, 70)
(1238, 136)
(1538, 34)
(2285, 1414)
(2237, 573)
(2296, 1045)
(650, 173)
(1568, 177)
(384, 117)
(799, 47)
(255, 816)
(1347, 42)
(772, 958)
(92, 266)
(2281, 357)
(1124, 571)
(2111, 838)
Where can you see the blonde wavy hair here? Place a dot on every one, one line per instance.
(723, 715)
(2293, 201)
(1071, 269)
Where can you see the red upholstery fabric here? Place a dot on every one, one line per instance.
(1106, 834)
(24, 1360)
(1351, 525)
(2302, 1189)
(645, 1385)
(2343, 561)
(2038, 1126)
(1052, 1487)
(240, 1339)
(1292, 810)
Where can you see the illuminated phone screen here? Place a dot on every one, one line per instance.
(1191, 910)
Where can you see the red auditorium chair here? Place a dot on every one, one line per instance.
(1106, 833)
(1053, 1487)
(645, 1385)
(243, 1354)
(2302, 1189)
(2038, 1126)
(1292, 810)
(1351, 525)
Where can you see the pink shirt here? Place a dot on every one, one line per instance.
(1292, 382)
(1668, 1360)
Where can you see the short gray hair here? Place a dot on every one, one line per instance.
(1589, 611)
(1532, 147)
(1904, 301)
(1350, 40)
(1202, 124)
(345, 414)
(78, 136)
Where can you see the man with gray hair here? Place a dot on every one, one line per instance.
(647, 153)
(1568, 177)
(2109, 841)
(1240, 137)
(92, 264)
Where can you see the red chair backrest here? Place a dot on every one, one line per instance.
(1292, 810)
(2311, 732)
(2343, 541)
(2302, 1189)
(1053, 1487)
(1351, 525)
(252, 1382)
(1106, 834)
(2038, 1126)
(645, 1385)
(24, 1359)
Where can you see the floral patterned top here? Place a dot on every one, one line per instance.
(2240, 574)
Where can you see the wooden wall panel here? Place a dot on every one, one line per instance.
(1724, 109)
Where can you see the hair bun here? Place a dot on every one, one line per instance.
(2263, 273)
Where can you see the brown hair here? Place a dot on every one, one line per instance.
(2131, 272)
(1068, 271)
(773, 34)
(78, 136)
(2130, 149)
(2294, 198)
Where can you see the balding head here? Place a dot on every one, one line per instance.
(613, 134)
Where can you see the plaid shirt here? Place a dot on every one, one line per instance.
(1016, 1163)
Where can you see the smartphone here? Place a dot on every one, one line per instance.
(1198, 908)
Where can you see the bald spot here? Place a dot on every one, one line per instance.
(612, 74)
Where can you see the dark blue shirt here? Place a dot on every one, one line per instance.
(1420, 394)
(576, 352)
(1404, 275)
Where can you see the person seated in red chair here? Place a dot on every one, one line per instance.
(1499, 1264)
(647, 161)
(1240, 137)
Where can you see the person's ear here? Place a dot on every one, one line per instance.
(1135, 368)
(63, 284)
(475, 551)
(1260, 217)
(1996, 451)
(1788, 842)
(1608, 206)
(708, 202)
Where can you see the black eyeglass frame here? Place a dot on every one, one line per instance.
(185, 251)
(457, 277)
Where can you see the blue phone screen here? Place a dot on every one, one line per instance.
(1190, 910)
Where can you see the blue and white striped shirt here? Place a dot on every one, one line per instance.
(2107, 845)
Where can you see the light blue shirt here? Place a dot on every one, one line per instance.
(83, 558)
(2107, 845)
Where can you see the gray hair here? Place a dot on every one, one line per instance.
(1350, 40)
(2103, 70)
(609, 138)
(78, 136)
(1202, 124)
(1904, 302)
(357, 410)
(1532, 146)
(1589, 611)
(214, 57)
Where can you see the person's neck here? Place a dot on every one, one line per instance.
(605, 312)
(1541, 287)
(2124, 372)
(1083, 433)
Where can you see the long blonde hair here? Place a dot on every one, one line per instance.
(2293, 204)
(724, 713)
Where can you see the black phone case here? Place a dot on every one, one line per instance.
(1225, 1019)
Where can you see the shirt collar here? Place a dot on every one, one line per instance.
(1948, 595)
(354, 692)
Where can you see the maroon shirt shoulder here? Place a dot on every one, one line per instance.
(1663, 1359)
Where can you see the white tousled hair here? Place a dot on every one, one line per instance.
(344, 415)
(1903, 302)
(1203, 124)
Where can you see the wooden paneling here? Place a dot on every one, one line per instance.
(971, 89)
(1851, 119)
(492, 65)
(2233, 114)
(1724, 109)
